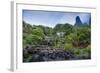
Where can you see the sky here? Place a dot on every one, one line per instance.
(51, 18)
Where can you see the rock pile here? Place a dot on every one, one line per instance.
(47, 54)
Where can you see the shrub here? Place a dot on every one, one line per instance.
(68, 47)
(83, 53)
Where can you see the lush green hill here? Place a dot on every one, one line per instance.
(76, 40)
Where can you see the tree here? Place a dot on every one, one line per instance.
(67, 28)
(84, 36)
(39, 32)
(32, 35)
(80, 38)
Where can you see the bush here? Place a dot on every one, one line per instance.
(68, 47)
(83, 53)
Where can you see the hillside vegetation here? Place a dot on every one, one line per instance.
(73, 42)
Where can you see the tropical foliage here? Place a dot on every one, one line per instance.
(75, 39)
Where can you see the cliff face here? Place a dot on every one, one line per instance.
(78, 21)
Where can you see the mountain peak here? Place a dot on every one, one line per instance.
(78, 21)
